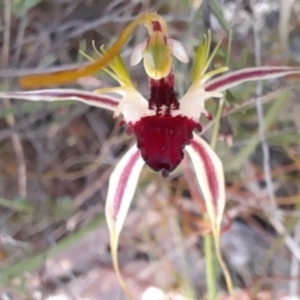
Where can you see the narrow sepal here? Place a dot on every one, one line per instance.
(70, 75)
(210, 176)
(122, 185)
(235, 78)
(102, 101)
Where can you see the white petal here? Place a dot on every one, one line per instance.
(102, 101)
(137, 53)
(178, 50)
(192, 104)
(122, 185)
(133, 107)
(210, 176)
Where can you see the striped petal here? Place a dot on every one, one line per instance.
(122, 185)
(210, 176)
(102, 101)
(235, 78)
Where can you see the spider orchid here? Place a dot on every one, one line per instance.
(164, 126)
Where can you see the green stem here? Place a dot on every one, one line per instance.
(209, 251)
(212, 248)
(210, 266)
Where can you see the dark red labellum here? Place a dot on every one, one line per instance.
(162, 139)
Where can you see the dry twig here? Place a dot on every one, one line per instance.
(16, 142)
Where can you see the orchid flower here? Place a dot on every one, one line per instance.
(165, 127)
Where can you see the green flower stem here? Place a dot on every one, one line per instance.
(212, 247)
(210, 265)
(209, 249)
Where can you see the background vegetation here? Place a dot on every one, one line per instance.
(55, 159)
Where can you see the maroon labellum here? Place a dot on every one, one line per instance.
(162, 137)
(161, 140)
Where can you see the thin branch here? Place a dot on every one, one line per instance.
(16, 142)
